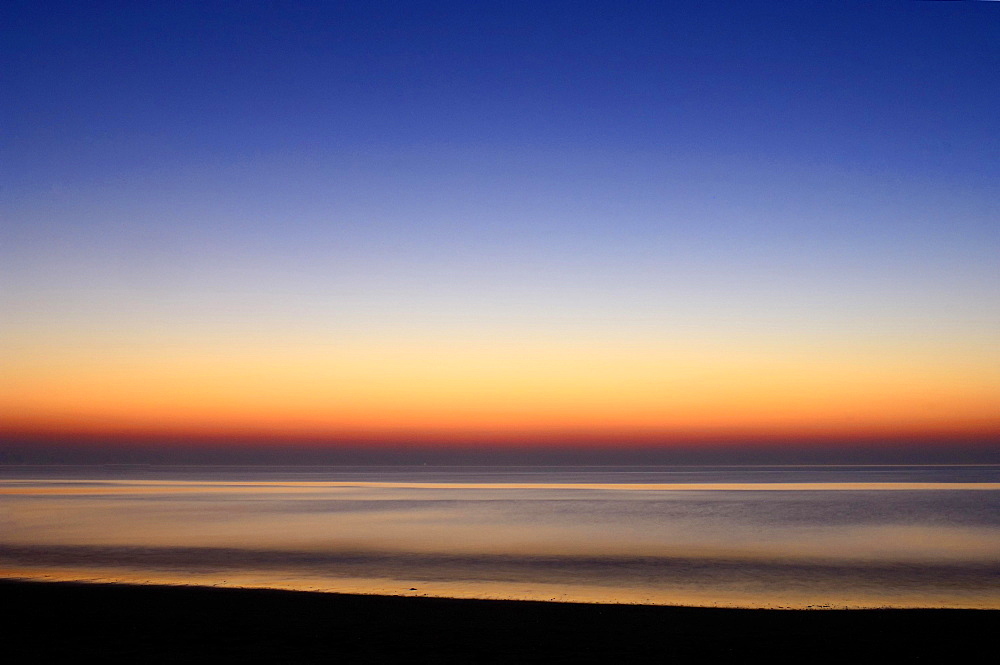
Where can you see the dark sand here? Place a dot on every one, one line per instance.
(66, 622)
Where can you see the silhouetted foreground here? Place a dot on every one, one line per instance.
(154, 624)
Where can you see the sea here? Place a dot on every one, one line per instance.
(734, 536)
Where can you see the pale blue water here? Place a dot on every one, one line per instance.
(753, 536)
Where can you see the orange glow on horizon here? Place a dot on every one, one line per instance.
(458, 438)
(547, 393)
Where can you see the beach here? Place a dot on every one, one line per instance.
(499, 332)
(157, 624)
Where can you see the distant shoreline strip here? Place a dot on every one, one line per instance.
(71, 487)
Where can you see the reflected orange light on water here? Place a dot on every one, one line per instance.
(25, 488)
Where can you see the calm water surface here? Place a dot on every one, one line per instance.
(840, 536)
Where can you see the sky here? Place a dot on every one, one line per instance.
(500, 225)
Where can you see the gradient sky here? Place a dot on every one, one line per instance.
(526, 222)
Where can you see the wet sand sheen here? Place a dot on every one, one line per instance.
(689, 594)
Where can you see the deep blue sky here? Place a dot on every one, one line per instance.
(95, 88)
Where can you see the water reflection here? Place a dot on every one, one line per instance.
(802, 536)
